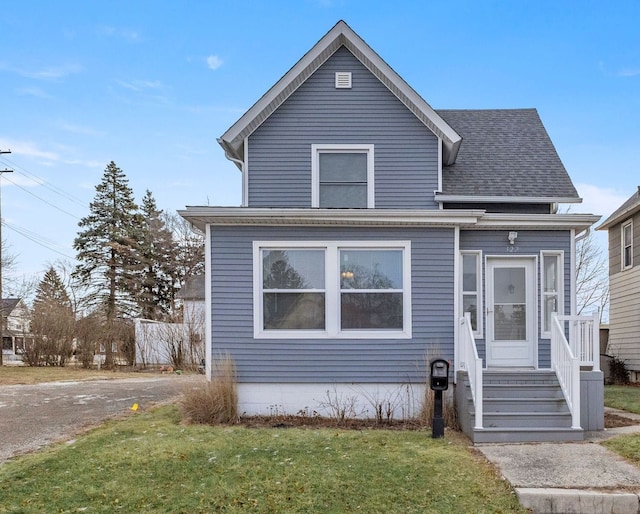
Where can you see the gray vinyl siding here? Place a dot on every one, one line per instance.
(279, 151)
(624, 303)
(615, 245)
(529, 243)
(331, 360)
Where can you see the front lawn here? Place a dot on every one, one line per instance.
(150, 462)
(622, 397)
(13, 375)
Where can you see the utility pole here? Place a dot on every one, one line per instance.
(1, 297)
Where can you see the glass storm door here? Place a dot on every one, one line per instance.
(510, 314)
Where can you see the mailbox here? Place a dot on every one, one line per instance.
(439, 375)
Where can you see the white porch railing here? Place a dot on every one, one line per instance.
(567, 367)
(472, 364)
(584, 338)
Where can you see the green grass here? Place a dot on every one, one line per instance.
(150, 463)
(623, 397)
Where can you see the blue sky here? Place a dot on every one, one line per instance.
(152, 84)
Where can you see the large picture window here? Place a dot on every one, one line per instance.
(551, 278)
(627, 245)
(332, 289)
(342, 176)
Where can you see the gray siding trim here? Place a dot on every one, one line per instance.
(406, 152)
(331, 360)
(529, 243)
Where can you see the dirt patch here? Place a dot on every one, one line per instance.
(323, 422)
(615, 421)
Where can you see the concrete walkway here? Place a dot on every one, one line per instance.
(582, 477)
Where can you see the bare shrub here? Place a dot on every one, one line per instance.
(339, 407)
(217, 401)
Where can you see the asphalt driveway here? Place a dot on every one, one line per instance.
(32, 416)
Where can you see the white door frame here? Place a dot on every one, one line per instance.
(519, 351)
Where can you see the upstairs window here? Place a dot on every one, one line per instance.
(342, 176)
(627, 245)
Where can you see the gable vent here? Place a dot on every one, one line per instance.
(343, 80)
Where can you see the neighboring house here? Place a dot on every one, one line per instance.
(370, 225)
(16, 328)
(624, 283)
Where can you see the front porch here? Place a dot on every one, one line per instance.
(521, 405)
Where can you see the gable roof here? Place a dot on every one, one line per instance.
(193, 288)
(340, 35)
(8, 304)
(627, 209)
(507, 154)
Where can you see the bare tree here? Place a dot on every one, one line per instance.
(592, 276)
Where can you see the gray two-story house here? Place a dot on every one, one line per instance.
(376, 233)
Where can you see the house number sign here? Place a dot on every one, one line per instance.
(513, 249)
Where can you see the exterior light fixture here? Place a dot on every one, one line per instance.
(512, 237)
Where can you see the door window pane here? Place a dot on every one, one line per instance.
(510, 323)
(470, 305)
(509, 285)
(469, 273)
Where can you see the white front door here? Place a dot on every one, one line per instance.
(511, 311)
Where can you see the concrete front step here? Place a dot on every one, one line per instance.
(526, 435)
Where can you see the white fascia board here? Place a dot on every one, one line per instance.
(341, 34)
(620, 217)
(202, 216)
(536, 221)
(439, 197)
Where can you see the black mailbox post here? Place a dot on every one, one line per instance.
(439, 381)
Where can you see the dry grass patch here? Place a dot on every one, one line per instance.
(26, 375)
(216, 402)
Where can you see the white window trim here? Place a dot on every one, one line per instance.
(559, 255)
(332, 290)
(338, 148)
(480, 317)
(629, 224)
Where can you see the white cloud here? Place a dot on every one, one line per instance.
(629, 72)
(214, 62)
(140, 85)
(48, 73)
(599, 200)
(32, 91)
(28, 149)
(121, 33)
(79, 129)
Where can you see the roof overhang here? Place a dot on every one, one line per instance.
(340, 35)
(619, 217)
(440, 197)
(200, 217)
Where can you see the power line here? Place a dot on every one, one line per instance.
(42, 199)
(40, 181)
(35, 238)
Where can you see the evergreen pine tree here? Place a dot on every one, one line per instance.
(157, 255)
(52, 322)
(108, 251)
